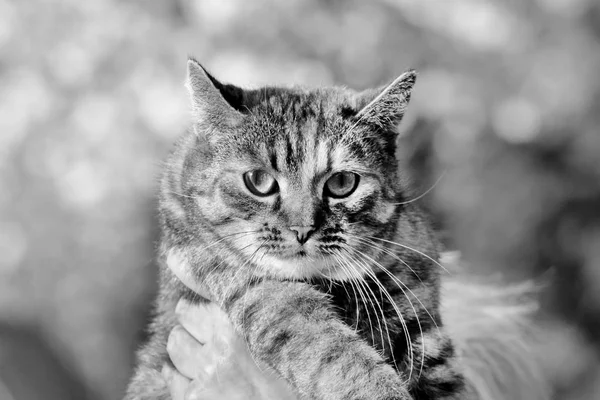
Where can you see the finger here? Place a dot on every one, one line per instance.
(179, 265)
(178, 384)
(203, 321)
(184, 351)
(195, 318)
(189, 356)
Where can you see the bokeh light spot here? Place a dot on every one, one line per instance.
(517, 120)
(13, 246)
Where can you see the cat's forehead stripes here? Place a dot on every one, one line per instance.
(302, 136)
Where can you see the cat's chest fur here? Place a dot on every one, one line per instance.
(368, 311)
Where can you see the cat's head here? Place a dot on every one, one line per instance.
(294, 181)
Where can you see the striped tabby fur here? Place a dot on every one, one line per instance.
(353, 312)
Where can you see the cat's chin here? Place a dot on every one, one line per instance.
(303, 267)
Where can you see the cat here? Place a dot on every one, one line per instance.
(293, 213)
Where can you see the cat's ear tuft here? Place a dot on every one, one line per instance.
(209, 106)
(385, 108)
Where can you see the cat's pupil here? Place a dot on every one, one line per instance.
(260, 179)
(341, 180)
(341, 184)
(260, 183)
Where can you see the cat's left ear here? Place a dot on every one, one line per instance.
(214, 104)
(385, 108)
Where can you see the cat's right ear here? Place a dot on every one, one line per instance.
(384, 108)
(210, 109)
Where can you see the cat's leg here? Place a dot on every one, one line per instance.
(436, 373)
(212, 362)
(292, 327)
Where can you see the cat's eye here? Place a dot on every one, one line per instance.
(260, 183)
(341, 184)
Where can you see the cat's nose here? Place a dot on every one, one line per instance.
(303, 232)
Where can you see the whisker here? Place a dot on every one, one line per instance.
(424, 193)
(225, 259)
(398, 283)
(384, 320)
(241, 269)
(179, 194)
(356, 303)
(330, 285)
(373, 301)
(387, 251)
(348, 270)
(222, 238)
(410, 248)
(344, 268)
(400, 316)
(346, 289)
(247, 288)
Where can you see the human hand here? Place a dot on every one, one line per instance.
(211, 362)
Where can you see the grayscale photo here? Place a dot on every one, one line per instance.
(299, 200)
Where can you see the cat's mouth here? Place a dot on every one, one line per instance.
(300, 254)
(291, 260)
(295, 254)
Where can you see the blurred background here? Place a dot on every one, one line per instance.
(91, 98)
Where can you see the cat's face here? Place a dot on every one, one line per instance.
(294, 181)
